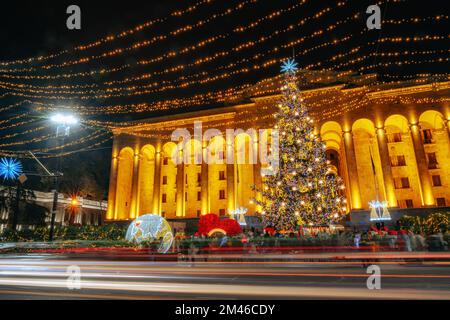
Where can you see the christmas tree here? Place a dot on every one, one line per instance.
(303, 190)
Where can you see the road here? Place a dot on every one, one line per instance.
(45, 276)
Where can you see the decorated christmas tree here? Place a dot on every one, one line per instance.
(303, 190)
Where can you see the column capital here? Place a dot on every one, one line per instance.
(382, 128)
(344, 132)
(415, 124)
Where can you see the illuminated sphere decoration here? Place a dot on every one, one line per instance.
(10, 169)
(151, 227)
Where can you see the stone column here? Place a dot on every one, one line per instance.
(257, 173)
(447, 124)
(134, 208)
(157, 182)
(111, 212)
(388, 178)
(230, 176)
(422, 166)
(352, 170)
(204, 182)
(180, 198)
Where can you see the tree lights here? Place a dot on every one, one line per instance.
(301, 190)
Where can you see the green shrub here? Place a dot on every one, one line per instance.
(91, 233)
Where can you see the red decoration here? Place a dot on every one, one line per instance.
(212, 221)
(269, 230)
(230, 226)
(207, 223)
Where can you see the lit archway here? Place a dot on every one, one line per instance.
(146, 179)
(168, 180)
(217, 175)
(368, 162)
(192, 169)
(124, 183)
(244, 155)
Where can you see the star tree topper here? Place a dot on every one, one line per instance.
(289, 66)
(10, 169)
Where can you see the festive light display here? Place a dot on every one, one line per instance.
(302, 189)
(151, 227)
(134, 80)
(10, 168)
(110, 38)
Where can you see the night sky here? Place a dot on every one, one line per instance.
(32, 28)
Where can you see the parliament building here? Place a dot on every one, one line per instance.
(389, 142)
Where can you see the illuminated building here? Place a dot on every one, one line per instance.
(395, 133)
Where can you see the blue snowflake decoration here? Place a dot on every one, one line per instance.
(10, 168)
(289, 66)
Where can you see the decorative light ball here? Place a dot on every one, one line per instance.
(292, 159)
(317, 159)
(336, 215)
(279, 183)
(151, 227)
(297, 213)
(344, 201)
(299, 141)
(319, 209)
(302, 202)
(276, 127)
(294, 188)
(309, 184)
(338, 200)
(319, 195)
(251, 202)
(320, 181)
(283, 133)
(296, 113)
(342, 187)
(294, 173)
(283, 204)
(266, 188)
(309, 169)
(307, 118)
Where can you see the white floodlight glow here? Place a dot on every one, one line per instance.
(64, 119)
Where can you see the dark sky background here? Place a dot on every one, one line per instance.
(31, 28)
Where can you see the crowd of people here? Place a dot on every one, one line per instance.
(376, 237)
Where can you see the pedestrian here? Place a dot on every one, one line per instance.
(357, 239)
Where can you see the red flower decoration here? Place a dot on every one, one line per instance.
(212, 221)
(270, 231)
(230, 226)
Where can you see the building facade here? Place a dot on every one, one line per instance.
(388, 143)
(70, 211)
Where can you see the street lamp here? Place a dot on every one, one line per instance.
(63, 123)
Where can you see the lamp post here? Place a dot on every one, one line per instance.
(63, 123)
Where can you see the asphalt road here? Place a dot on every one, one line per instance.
(44, 276)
